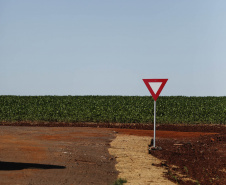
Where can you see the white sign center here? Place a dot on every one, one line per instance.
(155, 86)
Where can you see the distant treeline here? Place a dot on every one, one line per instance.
(113, 109)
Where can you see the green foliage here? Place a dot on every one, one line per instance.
(197, 182)
(120, 181)
(186, 169)
(121, 109)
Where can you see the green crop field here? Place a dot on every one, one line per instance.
(112, 109)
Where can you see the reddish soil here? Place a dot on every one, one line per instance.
(200, 156)
(162, 133)
(202, 159)
(41, 155)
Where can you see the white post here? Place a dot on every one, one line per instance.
(154, 122)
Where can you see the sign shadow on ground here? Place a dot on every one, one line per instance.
(6, 166)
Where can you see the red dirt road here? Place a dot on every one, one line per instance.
(76, 155)
(41, 155)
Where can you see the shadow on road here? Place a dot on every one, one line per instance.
(21, 166)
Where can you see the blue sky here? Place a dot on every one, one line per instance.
(103, 47)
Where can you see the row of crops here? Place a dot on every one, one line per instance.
(121, 109)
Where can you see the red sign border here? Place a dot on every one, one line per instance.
(155, 96)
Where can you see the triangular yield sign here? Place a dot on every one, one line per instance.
(155, 86)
